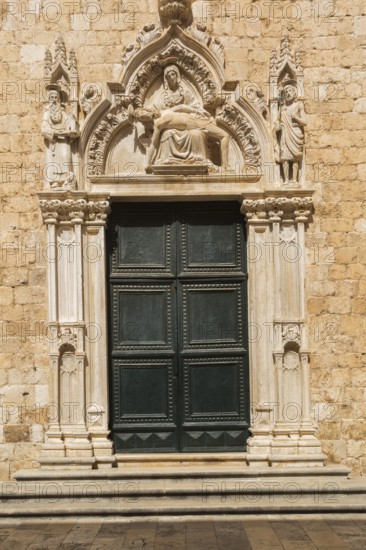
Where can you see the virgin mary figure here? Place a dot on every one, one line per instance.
(182, 127)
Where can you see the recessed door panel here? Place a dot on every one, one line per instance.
(212, 315)
(143, 316)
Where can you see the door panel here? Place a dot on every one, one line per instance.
(178, 353)
(143, 317)
(212, 316)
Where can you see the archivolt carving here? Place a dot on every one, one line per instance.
(189, 63)
(230, 116)
(199, 33)
(149, 33)
(102, 135)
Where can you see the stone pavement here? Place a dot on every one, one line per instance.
(271, 532)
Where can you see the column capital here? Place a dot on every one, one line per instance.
(277, 208)
(74, 207)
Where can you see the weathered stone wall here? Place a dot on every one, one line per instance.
(332, 38)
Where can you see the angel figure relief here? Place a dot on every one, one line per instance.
(181, 129)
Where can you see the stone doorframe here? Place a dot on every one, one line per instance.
(90, 144)
(282, 429)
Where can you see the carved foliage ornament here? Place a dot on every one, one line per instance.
(71, 210)
(149, 33)
(175, 12)
(198, 31)
(101, 136)
(298, 208)
(230, 116)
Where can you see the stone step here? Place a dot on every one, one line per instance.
(186, 470)
(43, 489)
(183, 506)
(182, 496)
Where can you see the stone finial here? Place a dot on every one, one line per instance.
(60, 50)
(48, 62)
(175, 12)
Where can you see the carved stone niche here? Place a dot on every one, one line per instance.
(288, 118)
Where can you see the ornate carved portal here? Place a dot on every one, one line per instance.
(172, 129)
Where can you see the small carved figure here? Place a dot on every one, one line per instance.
(59, 129)
(182, 126)
(289, 129)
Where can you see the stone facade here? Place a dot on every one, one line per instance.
(331, 39)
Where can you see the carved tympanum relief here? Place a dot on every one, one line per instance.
(181, 128)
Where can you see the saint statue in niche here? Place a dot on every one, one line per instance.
(59, 129)
(182, 127)
(289, 131)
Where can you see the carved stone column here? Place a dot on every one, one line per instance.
(68, 440)
(261, 313)
(279, 360)
(94, 257)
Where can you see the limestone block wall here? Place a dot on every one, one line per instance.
(332, 37)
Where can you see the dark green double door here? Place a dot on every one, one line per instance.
(178, 346)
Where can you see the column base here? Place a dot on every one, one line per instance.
(103, 449)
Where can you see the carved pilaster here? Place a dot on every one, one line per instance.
(276, 228)
(68, 438)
